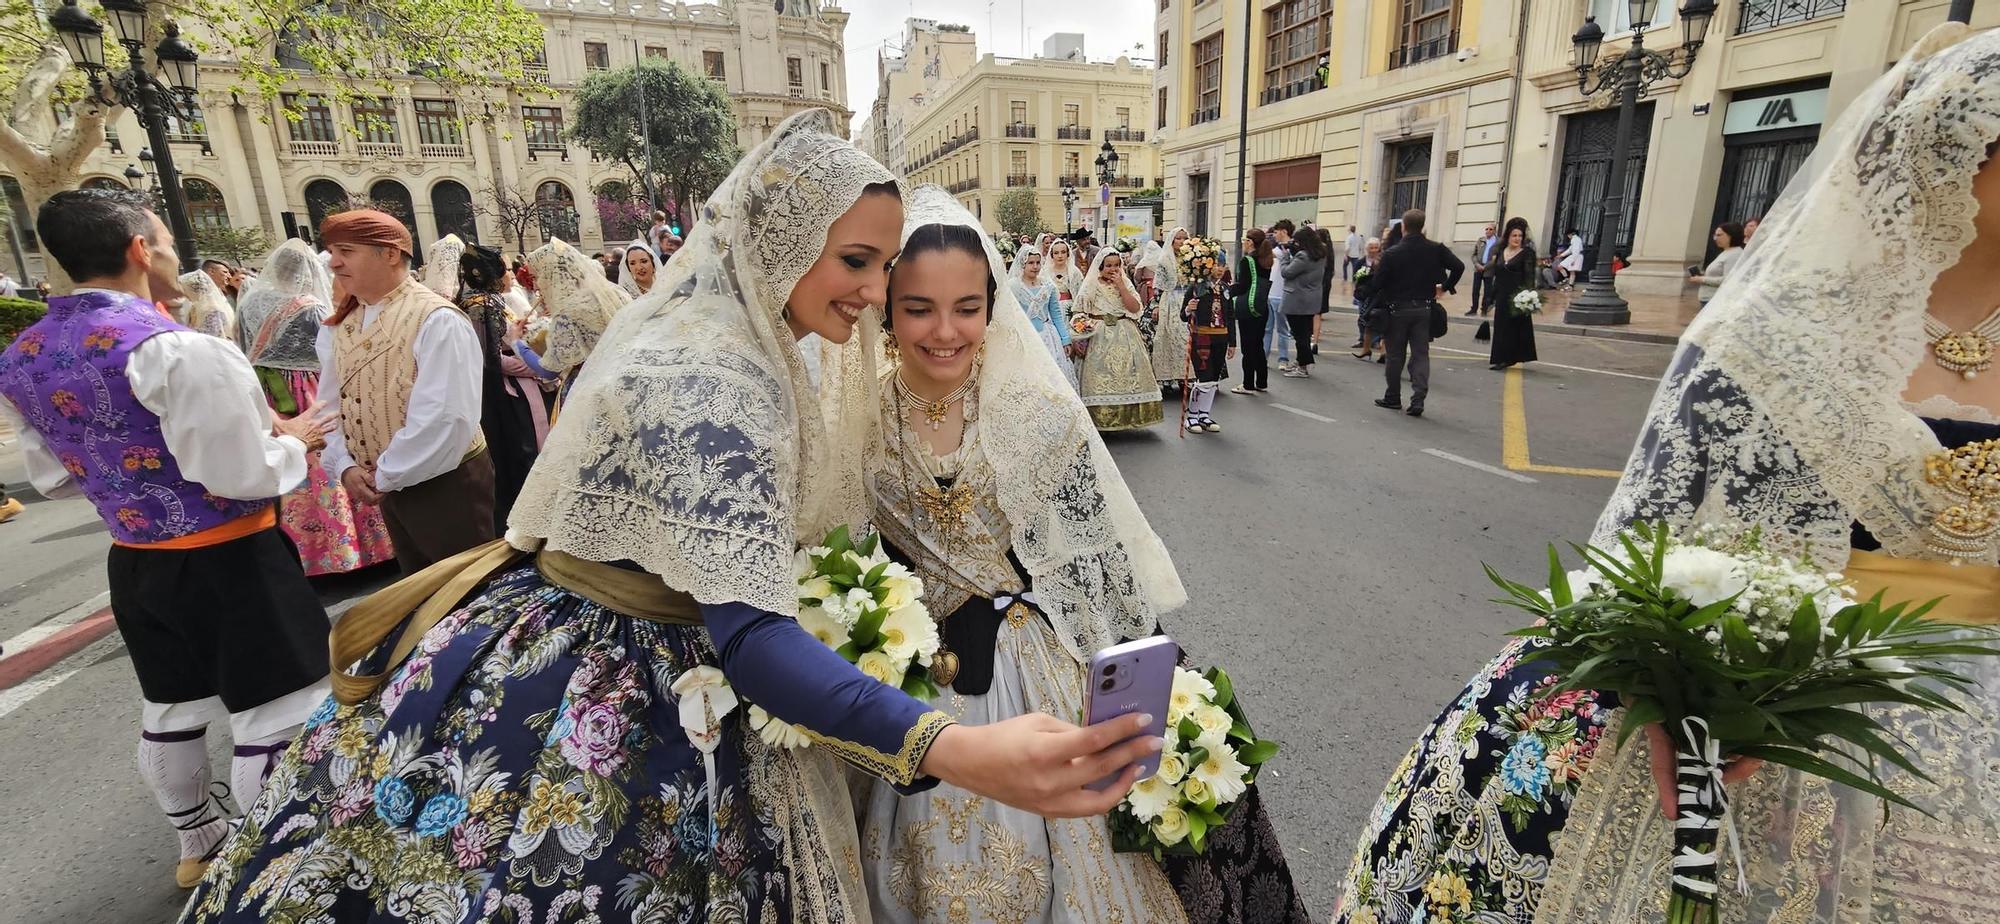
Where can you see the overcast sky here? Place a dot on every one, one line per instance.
(1110, 28)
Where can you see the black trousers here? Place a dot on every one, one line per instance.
(1409, 338)
(1302, 336)
(436, 519)
(1256, 366)
(235, 620)
(1479, 298)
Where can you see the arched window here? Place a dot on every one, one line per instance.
(206, 209)
(394, 198)
(104, 182)
(451, 208)
(556, 211)
(323, 198)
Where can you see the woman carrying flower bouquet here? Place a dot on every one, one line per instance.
(1513, 272)
(1820, 407)
(1115, 375)
(570, 743)
(1170, 333)
(990, 481)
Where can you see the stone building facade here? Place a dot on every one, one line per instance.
(244, 164)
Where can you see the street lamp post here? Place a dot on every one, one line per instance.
(1627, 76)
(1107, 170)
(136, 88)
(1069, 208)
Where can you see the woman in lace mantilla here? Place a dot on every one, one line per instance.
(1780, 413)
(1003, 534)
(1171, 334)
(1036, 294)
(279, 316)
(569, 741)
(578, 303)
(1115, 375)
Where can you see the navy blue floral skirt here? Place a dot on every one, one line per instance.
(515, 768)
(1463, 831)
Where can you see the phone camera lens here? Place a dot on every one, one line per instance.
(1106, 685)
(1110, 670)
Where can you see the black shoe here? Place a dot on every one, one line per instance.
(1496, 367)
(1416, 410)
(1380, 360)
(1469, 312)
(1391, 405)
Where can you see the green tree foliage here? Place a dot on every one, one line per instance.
(674, 130)
(1020, 212)
(239, 246)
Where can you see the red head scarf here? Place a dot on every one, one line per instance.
(366, 228)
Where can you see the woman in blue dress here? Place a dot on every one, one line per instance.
(570, 742)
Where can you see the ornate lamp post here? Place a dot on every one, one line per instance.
(1628, 76)
(1069, 208)
(136, 88)
(1107, 170)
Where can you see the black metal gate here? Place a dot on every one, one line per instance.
(1753, 173)
(1586, 175)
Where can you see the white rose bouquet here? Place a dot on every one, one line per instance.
(869, 610)
(1527, 302)
(1209, 762)
(1736, 649)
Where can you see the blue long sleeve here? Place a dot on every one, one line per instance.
(777, 665)
(534, 361)
(1058, 317)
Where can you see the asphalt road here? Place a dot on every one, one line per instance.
(1331, 551)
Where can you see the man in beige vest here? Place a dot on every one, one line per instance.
(403, 366)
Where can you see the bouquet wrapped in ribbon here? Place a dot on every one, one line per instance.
(1211, 758)
(1738, 650)
(870, 611)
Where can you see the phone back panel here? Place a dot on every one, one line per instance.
(1135, 677)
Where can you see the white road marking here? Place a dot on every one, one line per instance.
(56, 623)
(1489, 469)
(1622, 375)
(15, 697)
(1302, 413)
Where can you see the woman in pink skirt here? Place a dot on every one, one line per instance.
(279, 317)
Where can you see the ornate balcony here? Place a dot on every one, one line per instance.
(1759, 15)
(1020, 179)
(441, 151)
(1072, 133)
(315, 148)
(1020, 130)
(1124, 134)
(379, 149)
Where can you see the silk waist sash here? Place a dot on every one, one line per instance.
(420, 601)
(1971, 593)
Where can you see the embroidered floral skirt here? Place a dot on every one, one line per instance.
(524, 764)
(334, 534)
(1463, 832)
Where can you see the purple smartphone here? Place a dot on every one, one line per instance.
(1133, 677)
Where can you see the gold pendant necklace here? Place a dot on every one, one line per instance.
(936, 411)
(1967, 353)
(947, 509)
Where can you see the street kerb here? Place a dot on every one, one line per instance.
(19, 667)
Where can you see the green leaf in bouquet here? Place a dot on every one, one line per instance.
(1257, 752)
(1559, 589)
(850, 651)
(1188, 729)
(1524, 597)
(868, 629)
(1639, 713)
(1800, 760)
(917, 683)
(1707, 614)
(1225, 692)
(1197, 833)
(869, 544)
(838, 542)
(1239, 730)
(1802, 640)
(873, 578)
(839, 579)
(1214, 817)
(1196, 756)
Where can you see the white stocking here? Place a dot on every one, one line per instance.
(175, 765)
(253, 762)
(1204, 398)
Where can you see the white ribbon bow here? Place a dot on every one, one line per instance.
(1003, 601)
(705, 699)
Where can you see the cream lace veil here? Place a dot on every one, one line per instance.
(625, 281)
(1782, 412)
(579, 302)
(1093, 296)
(693, 445)
(279, 314)
(1096, 566)
(1166, 263)
(204, 308)
(441, 273)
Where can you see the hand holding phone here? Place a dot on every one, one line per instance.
(1133, 678)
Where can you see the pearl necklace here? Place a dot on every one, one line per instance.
(1967, 353)
(936, 411)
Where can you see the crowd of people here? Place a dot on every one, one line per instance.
(618, 710)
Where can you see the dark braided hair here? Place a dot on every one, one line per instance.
(941, 238)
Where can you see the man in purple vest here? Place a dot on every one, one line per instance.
(166, 431)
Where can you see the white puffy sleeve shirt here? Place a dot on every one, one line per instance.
(444, 407)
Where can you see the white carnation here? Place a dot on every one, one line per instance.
(1702, 576)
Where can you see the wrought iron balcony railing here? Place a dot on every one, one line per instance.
(1759, 15)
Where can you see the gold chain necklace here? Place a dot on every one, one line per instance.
(1967, 353)
(935, 411)
(945, 508)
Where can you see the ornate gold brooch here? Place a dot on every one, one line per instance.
(1966, 353)
(1971, 473)
(946, 508)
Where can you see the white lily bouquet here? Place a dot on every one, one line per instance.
(1527, 302)
(1736, 649)
(869, 610)
(1210, 759)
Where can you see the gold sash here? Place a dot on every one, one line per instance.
(426, 597)
(1971, 593)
